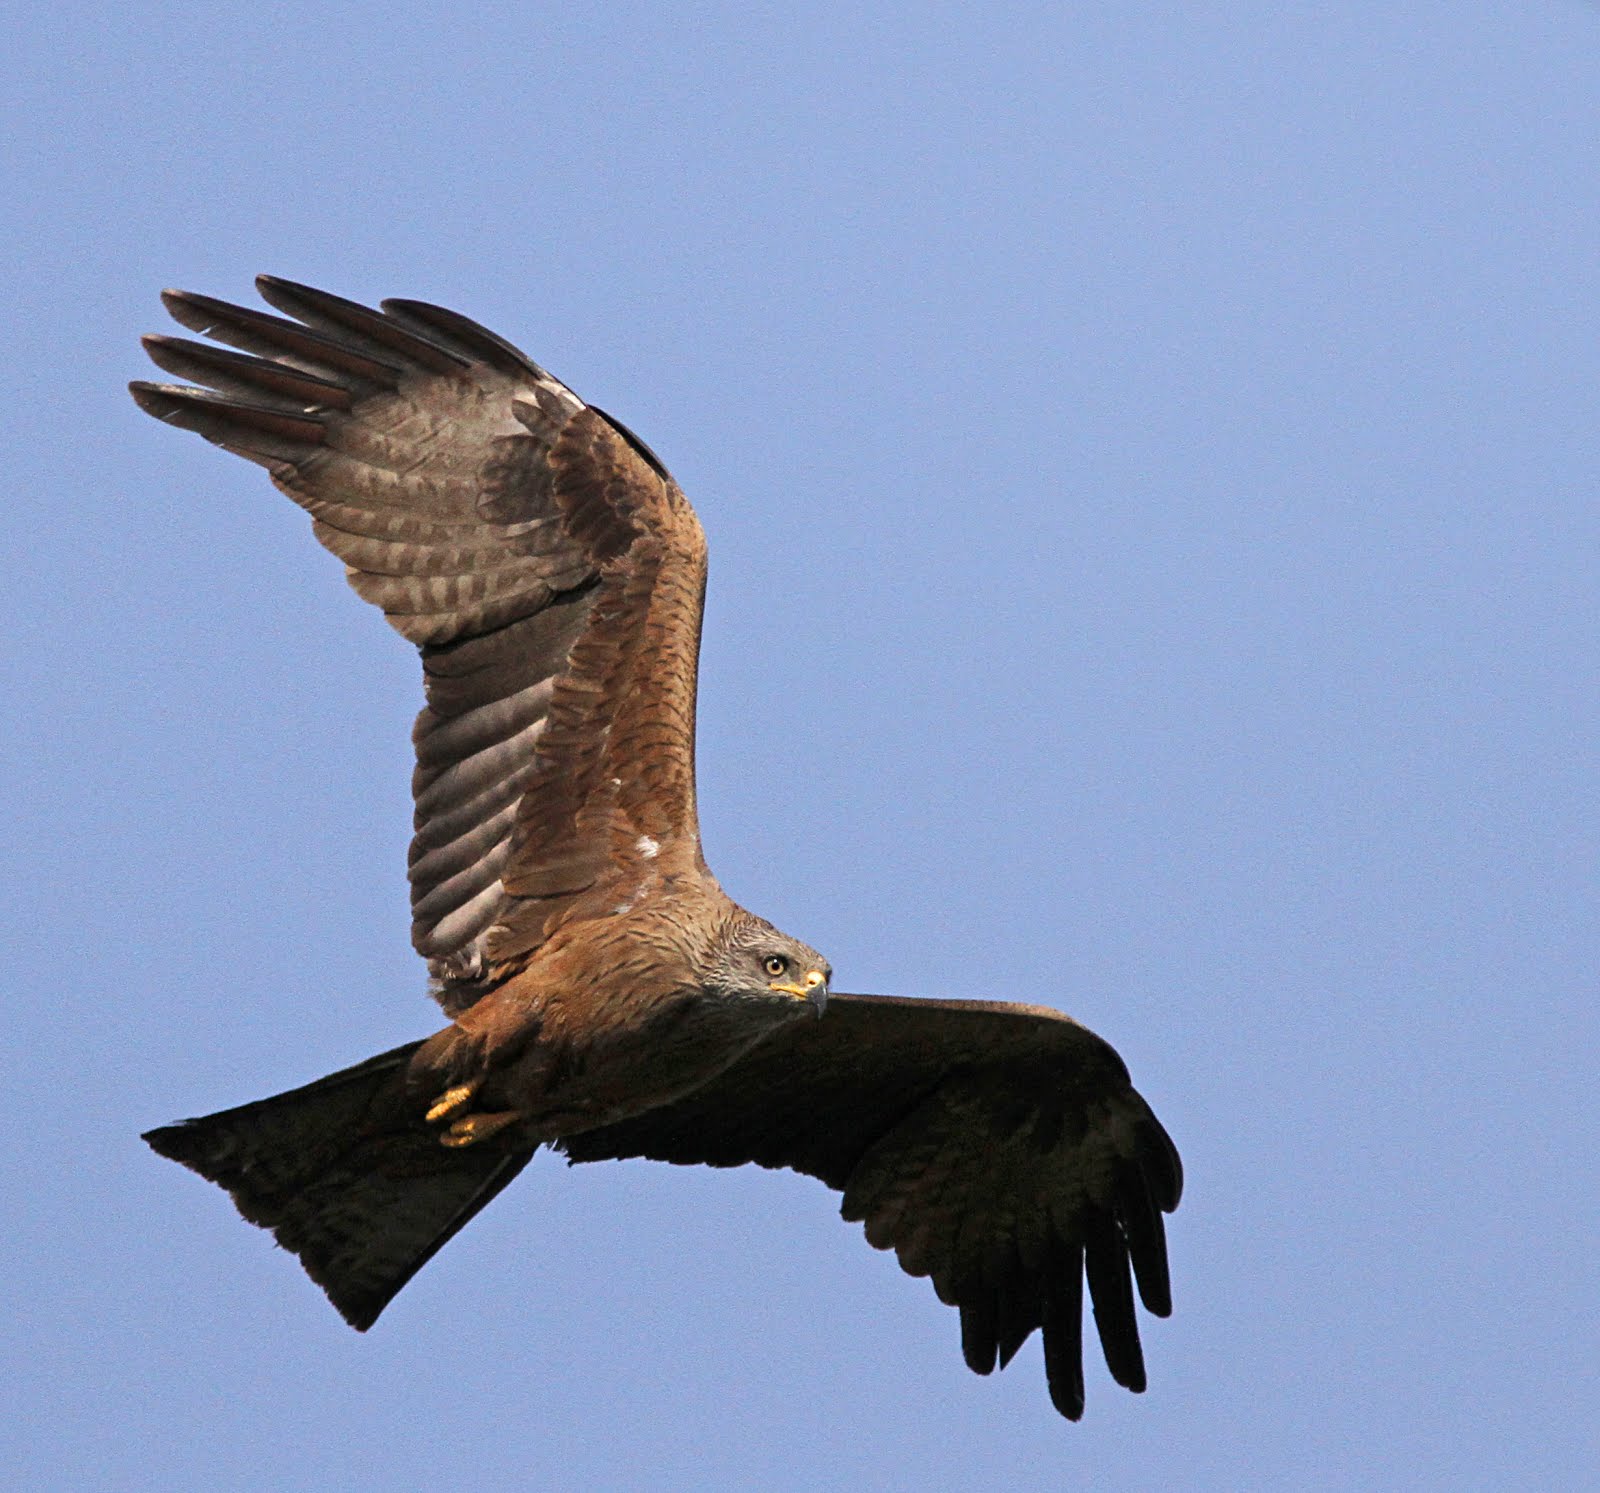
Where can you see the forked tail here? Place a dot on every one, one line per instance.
(347, 1176)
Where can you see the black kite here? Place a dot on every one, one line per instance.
(606, 998)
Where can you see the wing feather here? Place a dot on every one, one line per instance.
(547, 568)
(998, 1149)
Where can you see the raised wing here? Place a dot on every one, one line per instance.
(549, 570)
(999, 1149)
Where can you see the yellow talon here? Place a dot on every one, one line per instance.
(470, 1129)
(452, 1102)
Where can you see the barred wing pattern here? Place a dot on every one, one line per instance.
(552, 575)
(999, 1149)
(520, 539)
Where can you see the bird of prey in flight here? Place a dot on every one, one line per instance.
(605, 997)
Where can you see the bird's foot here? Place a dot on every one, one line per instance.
(470, 1129)
(452, 1102)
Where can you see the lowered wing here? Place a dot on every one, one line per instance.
(999, 1149)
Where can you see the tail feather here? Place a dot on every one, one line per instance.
(347, 1177)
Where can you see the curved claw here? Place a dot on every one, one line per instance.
(470, 1129)
(452, 1102)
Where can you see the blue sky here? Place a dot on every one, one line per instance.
(1148, 458)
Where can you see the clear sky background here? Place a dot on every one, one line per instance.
(1149, 458)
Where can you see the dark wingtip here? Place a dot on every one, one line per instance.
(177, 301)
(1067, 1397)
(148, 397)
(271, 287)
(285, 286)
(452, 329)
(978, 1345)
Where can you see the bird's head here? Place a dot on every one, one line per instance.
(753, 961)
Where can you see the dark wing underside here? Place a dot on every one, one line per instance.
(999, 1149)
(548, 570)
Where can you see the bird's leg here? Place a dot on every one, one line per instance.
(470, 1129)
(453, 1101)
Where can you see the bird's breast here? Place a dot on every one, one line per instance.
(622, 1057)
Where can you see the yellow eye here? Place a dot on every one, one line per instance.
(775, 964)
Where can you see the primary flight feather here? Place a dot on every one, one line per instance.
(606, 997)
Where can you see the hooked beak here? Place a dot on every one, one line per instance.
(813, 987)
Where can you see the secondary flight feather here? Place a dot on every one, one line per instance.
(606, 997)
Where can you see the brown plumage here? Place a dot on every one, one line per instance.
(607, 998)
